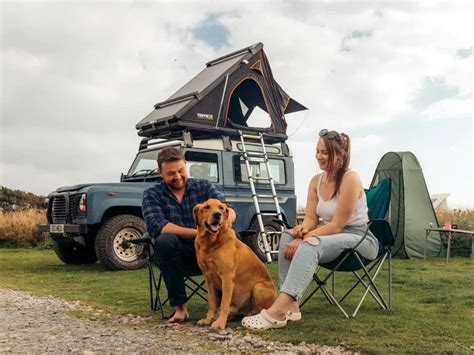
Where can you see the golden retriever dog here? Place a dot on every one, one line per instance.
(229, 266)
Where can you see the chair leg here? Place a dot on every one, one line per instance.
(158, 298)
(360, 280)
(318, 281)
(322, 285)
(331, 299)
(334, 284)
(389, 279)
(196, 289)
(372, 284)
(367, 288)
(152, 280)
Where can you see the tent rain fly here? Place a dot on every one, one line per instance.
(230, 94)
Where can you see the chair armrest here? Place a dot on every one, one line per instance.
(145, 239)
(380, 228)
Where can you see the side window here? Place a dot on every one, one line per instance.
(259, 170)
(202, 166)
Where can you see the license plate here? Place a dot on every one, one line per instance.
(56, 228)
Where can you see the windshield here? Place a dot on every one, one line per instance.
(145, 163)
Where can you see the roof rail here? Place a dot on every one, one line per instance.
(252, 49)
(176, 99)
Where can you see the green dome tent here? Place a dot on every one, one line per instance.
(411, 210)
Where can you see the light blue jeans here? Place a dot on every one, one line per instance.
(296, 274)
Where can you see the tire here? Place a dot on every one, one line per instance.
(109, 246)
(70, 252)
(255, 241)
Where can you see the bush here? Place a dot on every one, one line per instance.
(19, 229)
(461, 245)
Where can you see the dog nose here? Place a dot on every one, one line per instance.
(216, 215)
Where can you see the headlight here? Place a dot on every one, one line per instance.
(83, 203)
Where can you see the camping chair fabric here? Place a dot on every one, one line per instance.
(378, 201)
(190, 271)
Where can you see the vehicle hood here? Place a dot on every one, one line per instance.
(113, 186)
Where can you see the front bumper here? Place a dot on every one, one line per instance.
(63, 228)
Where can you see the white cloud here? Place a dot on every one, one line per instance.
(77, 77)
(449, 109)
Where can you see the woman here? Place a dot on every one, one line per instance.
(337, 197)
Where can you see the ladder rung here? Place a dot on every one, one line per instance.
(269, 214)
(251, 136)
(265, 196)
(261, 178)
(273, 232)
(255, 154)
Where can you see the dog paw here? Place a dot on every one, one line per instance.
(204, 321)
(218, 325)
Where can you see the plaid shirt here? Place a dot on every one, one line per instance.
(160, 206)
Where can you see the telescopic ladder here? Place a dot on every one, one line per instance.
(249, 156)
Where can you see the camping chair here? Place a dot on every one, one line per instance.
(378, 201)
(190, 271)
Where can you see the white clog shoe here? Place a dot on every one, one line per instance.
(262, 321)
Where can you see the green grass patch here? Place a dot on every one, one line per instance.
(432, 302)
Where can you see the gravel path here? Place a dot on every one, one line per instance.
(50, 325)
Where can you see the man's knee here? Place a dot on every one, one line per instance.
(167, 244)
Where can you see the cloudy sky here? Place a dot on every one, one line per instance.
(77, 76)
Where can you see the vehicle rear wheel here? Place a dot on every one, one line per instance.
(112, 247)
(70, 252)
(255, 241)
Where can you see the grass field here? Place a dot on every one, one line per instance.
(433, 306)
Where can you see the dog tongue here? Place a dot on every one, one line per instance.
(214, 228)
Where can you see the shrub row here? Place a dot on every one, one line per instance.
(19, 229)
(461, 245)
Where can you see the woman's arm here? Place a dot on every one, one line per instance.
(349, 193)
(310, 218)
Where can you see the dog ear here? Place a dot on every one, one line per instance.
(196, 211)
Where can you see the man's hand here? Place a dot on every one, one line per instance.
(291, 248)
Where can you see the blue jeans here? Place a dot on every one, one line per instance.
(171, 255)
(296, 274)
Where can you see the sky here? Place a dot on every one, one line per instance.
(76, 76)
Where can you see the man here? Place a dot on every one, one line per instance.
(168, 212)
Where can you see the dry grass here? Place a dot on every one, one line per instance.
(18, 228)
(463, 218)
(461, 244)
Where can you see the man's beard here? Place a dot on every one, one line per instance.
(178, 185)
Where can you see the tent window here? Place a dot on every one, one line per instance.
(247, 106)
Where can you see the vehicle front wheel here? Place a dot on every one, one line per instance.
(112, 247)
(255, 241)
(70, 252)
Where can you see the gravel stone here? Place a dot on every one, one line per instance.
(37, 325)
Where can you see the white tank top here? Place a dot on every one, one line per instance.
(326, 209)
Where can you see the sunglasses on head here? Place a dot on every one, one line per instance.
(329, 134)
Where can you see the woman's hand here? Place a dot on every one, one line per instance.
(291, 248)
(299, 231)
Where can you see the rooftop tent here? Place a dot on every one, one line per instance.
(411, 210)
(224, 98)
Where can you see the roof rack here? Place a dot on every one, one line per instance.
(186, 139)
